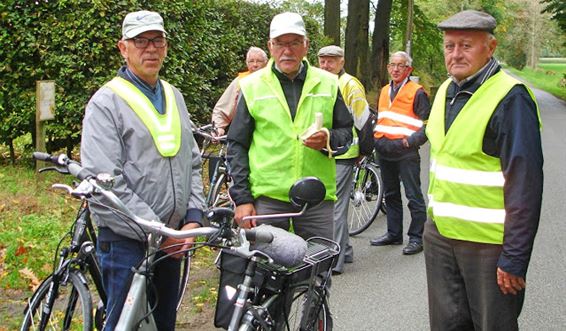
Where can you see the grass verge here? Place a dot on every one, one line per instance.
(550, 77)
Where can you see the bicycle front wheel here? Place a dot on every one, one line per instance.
(71, 308)
(365, 199)
(311, 310)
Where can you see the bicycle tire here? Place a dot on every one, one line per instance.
(72, 309)
(216, 199)
(318, 315)
(185, 276)
(365, 199)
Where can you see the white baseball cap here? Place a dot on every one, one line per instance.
(141, 21)
(286, 23)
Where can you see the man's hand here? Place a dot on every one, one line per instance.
(241, 211)
(509, 283)
(405, 143)
(316, 141)
(187, 243)
(218, 132)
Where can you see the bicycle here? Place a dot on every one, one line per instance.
(218, 175)
(47, 308)
(258, 305)
(63, 300)
(366, 197)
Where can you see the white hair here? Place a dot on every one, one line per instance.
(407, 57)
(257, 50)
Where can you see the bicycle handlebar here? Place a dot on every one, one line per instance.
(101, 183)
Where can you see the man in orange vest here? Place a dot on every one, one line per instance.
(403, 110)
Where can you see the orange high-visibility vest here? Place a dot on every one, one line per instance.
(396, 119)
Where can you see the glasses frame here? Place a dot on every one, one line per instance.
(147, 41)
(400, 66)
(293, 45)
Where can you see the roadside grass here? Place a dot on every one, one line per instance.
(549, 76)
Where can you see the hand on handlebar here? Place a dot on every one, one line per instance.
(241, 211)
(187, 243)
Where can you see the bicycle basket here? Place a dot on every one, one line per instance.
(271, 277)
(232, 271)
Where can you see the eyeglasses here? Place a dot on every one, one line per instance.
(158, 42)
(256, 61)
(400, 66)
(294, 45)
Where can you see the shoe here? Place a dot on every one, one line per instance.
(385, 240)
(413, 247)
(348, 259)
(336, 272)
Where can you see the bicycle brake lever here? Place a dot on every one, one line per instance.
(60, 170)
(63, 187)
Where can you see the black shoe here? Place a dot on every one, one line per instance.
(385, 240)
(413, 247)
(348, 259)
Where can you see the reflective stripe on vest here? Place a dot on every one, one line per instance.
(466, 185)
(277, 158)
(165, 129)
(396, 119)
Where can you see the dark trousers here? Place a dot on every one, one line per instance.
(116, 260)
(317, 221)
(408, 172)
(462, 286)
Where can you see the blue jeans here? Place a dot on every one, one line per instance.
(116, 261)
(407, 171)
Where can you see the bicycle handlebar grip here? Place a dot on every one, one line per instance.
(41, 156)
(263, 237)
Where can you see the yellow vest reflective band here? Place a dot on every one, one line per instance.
(164, 128)
(466, 199)
(277, 157)
(396, 119)
(351, 101)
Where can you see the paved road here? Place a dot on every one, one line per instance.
(384, 290)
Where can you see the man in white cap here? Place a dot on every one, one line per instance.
(331, 59)
(137, 128)
(267, 150)
(486, 182)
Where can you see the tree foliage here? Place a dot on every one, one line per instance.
(558, 10)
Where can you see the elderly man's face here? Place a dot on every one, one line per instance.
(255, 61)
(333, 64)
(467, 51)
(398, 69)
(288, 51)
(146, 61)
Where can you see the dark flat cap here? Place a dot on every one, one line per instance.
(469, 20)
(331, 50)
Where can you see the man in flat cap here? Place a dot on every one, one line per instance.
(267, 149)
(485, 186)
(403, 109)
(331, 59)
(137, 128)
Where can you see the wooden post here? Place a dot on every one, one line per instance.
(45, 110)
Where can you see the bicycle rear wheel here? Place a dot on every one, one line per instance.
(316, 315)
(71, 309)
(365, 199)
(218, 196)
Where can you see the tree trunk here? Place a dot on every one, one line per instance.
(362, 71)
(332, 20)
(351, 38)
(409, 30)
(12, 151)
(380, 44)
(357, 38)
